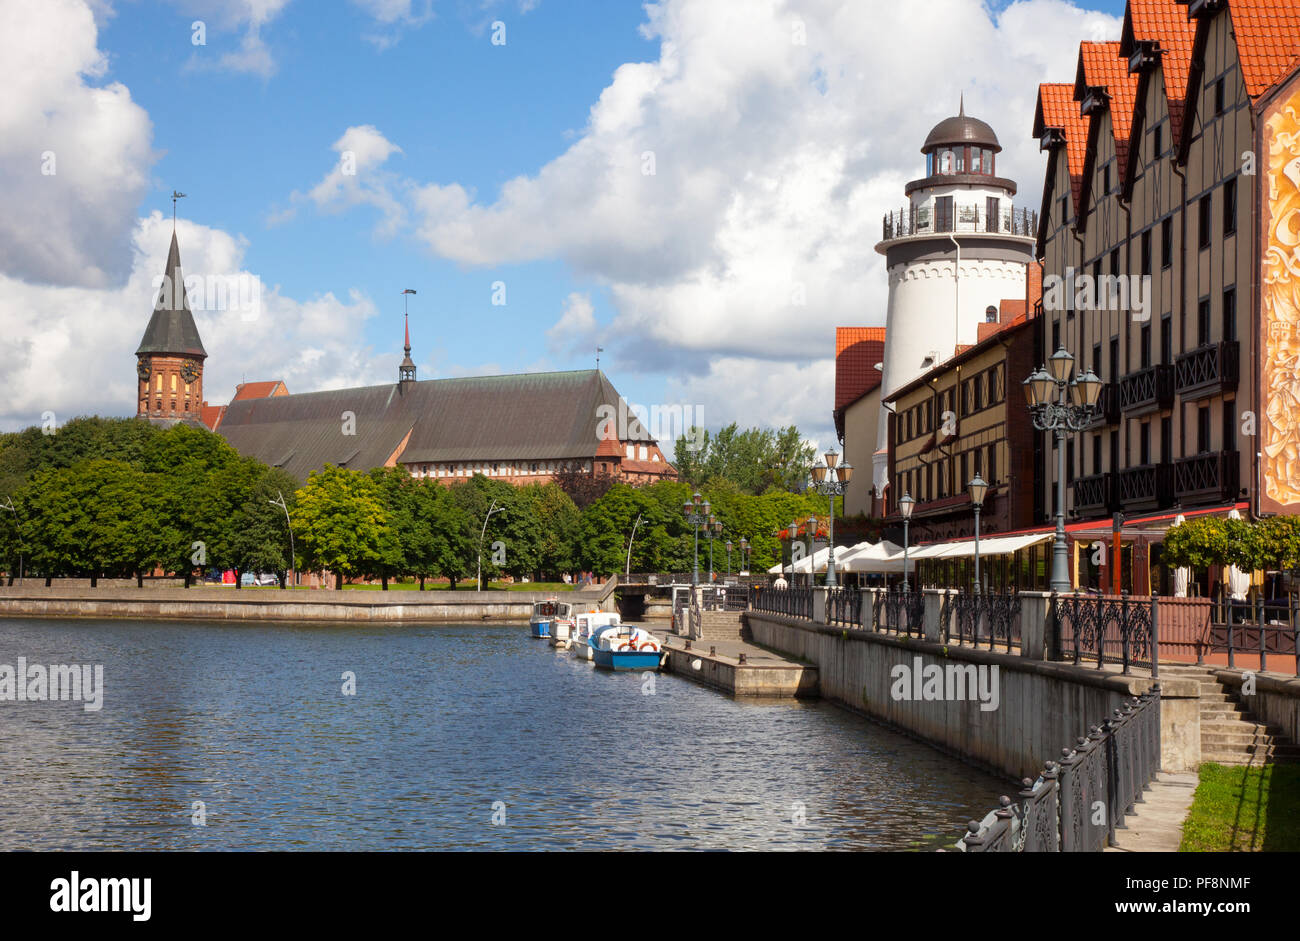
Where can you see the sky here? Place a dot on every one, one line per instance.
(696, 186)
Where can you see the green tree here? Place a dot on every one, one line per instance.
(340, 519)
(260, 540)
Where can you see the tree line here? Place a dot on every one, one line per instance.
(123, 498)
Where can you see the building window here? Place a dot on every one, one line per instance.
(1157, 140)
(1065, 210)
(1167, 243)
(1218, 97)
(1230, 314)
(1146, 253)
(1166, 439)
(1105, 179)
(993, 464)
(1167, 339)
(1096, 454)
(1203, 322)
(1144, 443)
(1203, 429)
(1145, 347)
(1204, 221)
(1229, 442)
(1114, 261)
(1230, 207)
(1056, 335)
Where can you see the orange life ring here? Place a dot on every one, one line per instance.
(626, 645)
(649, 643)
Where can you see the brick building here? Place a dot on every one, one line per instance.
(169, 360)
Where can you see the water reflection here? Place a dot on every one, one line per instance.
(446, 721)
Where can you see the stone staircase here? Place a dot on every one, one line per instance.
(723, 625)
(1230, 733)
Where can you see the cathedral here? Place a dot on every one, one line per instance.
(526, 428)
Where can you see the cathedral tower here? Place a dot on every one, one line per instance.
(169, 361)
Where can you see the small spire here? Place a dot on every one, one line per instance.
(961, 111)
(406, 369)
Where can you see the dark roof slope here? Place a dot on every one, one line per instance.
(538, 416)
(171, 327)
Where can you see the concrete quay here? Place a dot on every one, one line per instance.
(738, 668)
(274, 604)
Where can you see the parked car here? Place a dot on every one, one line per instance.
(250, 579)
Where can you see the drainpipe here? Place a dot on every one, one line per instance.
(956, 306)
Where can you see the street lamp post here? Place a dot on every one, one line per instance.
(628, 569)
(905, 504)
(1061, 405)
(831, 479)
(713, 529)
(696, 513)
(978, 488)
(9, 505)
(478, 571)
(744, 556)
(729, 547)
(293, 559)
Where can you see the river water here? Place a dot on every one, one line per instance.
(219, 736)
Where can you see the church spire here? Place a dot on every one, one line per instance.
(406, 371)
(169, 360)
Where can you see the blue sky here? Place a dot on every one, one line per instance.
(523, 163)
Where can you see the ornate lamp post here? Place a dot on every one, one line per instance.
(832, 479)
(905, 504)
(712, 529)
(729, 548)
(744, 555)
(978, 488)
(696, 513)
(1062, 405)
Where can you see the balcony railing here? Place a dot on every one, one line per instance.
(1208, 370)
(1148, 487)
(1094, 495)
(1207, 478)
(972, 219)
(1147, 390)
(1108, 411)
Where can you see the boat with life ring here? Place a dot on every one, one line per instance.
(626, 647)
(546, 614)
(585, 626)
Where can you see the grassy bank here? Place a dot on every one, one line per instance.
(1244, 809)
(467, 586)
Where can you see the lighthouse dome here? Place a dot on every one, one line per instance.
(961, 129)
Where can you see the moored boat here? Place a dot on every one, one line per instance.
(562, 628)
(585, 626)
(545, 614)
(626, 647)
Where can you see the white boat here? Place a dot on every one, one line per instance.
(626, 647)
(585, 626)
(562, 628)
(545, 614)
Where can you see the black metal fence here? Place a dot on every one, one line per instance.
(792, 602)
(844, 607)
(1108, 629)
(1076, 805)
(900, 612)
(991, 617)
(1257, 628)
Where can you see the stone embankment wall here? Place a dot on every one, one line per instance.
(273, 604)
(1042, 706)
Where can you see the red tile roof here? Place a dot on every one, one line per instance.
(211, 415)
(259, 390)
(1165, 22)
(857, 350)
(1058, 109)
(1100, 64)
(1268, 41)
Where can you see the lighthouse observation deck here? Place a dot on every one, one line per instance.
(975, 220)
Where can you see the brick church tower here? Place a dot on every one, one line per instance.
(169, 362)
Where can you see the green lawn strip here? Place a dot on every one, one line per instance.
(465, 586)
(1244, 809)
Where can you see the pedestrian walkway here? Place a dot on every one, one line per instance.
(1157, 827)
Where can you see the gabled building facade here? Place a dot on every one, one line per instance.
(1166, 200)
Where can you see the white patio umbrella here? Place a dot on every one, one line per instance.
(1182, 574)
(1238, 581)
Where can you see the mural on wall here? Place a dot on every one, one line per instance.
(1280, 302)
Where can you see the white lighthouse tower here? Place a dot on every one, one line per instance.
(957, 248)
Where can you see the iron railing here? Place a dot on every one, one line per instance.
(969, 618)
(1210, 477)
(925, 220)
(1256, 628)
(899, 612)
(1146, 487)
(792, 602)
(1147, 390)
(1093, 494)
(1076, 805)
(1207, 370)
(844, 607)
(1107, 629)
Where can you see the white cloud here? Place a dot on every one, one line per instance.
(576, 326)
(729, 194)
(227, 16)
(76, 358)
(357, 179)
(74, 156)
